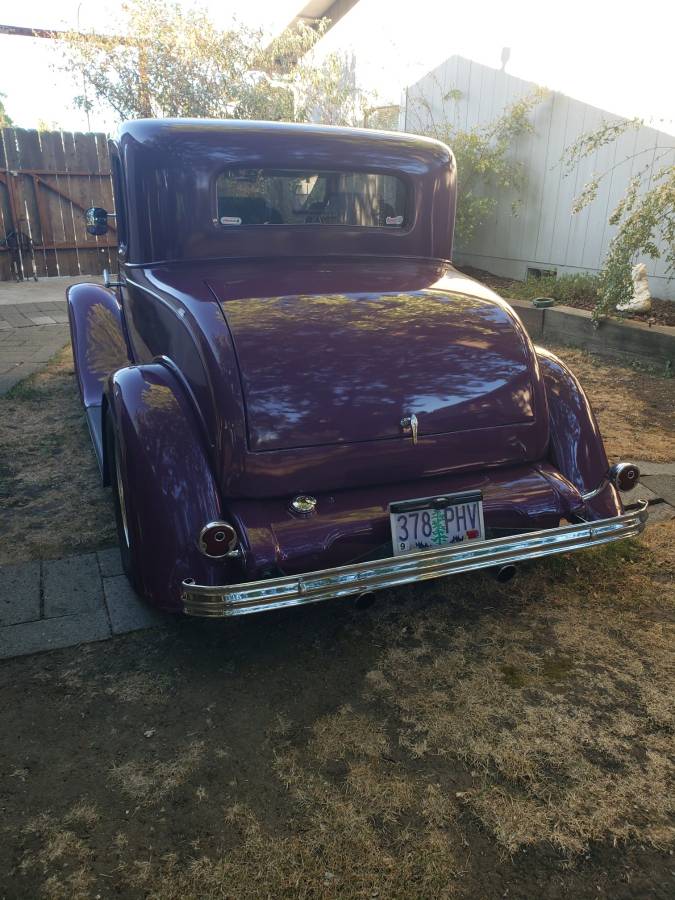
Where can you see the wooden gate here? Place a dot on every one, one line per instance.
(47, 180)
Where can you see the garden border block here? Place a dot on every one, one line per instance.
(652, 344)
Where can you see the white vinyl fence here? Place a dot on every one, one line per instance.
(544, 235)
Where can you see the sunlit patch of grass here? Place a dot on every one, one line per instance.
(150, 781)
(26, 389)
(50, 487)
(63, 848)
(373, 834)
(140, 687)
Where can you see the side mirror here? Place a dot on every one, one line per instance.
(96, 220)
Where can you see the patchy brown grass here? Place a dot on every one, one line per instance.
(50, 494)
(564, 715)
(460, 739)
(151, 780)
(493, 731)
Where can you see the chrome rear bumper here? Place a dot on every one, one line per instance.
(294, 590)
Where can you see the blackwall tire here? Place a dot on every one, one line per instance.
(120, 501)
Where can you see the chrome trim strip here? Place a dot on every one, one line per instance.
(598, 490)
(294, 590)
(612, 477)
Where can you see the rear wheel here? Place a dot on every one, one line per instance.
(120, 498)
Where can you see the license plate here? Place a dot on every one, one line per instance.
(436, 522)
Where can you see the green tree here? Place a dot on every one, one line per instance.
(485, 168)
(644, 217)
(173, 61)
(5, 121)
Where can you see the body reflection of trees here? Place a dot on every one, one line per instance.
(106, 351)
(343, 367)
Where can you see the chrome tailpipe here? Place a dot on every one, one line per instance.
(505, 573)
(364, 600)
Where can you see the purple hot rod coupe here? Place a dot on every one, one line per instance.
(294, 394)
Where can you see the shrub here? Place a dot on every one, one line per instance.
(567, 289)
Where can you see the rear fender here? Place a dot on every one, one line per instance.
(98, 338)
(99, 348)
(575, 443)
(168, 482)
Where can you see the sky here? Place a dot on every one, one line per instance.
(613, 54)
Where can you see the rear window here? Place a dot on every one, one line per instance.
(273, 197)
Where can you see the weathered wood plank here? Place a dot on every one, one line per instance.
(70, 259)
(5, 212)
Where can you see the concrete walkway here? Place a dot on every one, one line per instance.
(63, 602)
(33, 325)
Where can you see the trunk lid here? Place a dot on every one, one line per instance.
(345, 368)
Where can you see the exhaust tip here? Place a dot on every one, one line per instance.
(364, 600)
(505, 573)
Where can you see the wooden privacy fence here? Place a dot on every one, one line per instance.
(47, 180)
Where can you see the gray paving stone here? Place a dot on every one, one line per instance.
(662, 485)
(8, 380)
(660, 512)
(71, 585)
(652, 468)
(126, 610)
(52, 305)
(51, 634)
(19, 593)
(42, 291)
(639, 493)
(42, 320)
(110, 562)
(15, 317)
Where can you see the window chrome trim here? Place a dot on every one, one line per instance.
(312, 587)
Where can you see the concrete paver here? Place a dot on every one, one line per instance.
(110, 562)
(663, 485)
(25, 350)
(53, 634)
(42, 291)
(19, 593)
(126, 609)
(64, 602)
(72, 585)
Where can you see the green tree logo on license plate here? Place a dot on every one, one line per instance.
(439, 535)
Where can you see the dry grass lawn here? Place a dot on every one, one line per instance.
(51, 498)
(459, 739)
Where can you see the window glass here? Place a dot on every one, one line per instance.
(280, 197)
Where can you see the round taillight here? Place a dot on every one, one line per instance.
(624, 476)
(217, 539)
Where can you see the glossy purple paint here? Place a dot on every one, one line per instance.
(251, 363)
(169, 488)
(171, 167)
(97, 335)
(576, 445)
